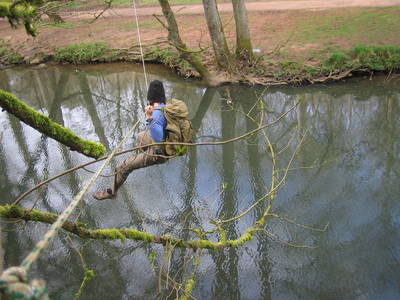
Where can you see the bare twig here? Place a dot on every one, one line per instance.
(161, 22)
(19, 199)
(108, 5)
(297, 224)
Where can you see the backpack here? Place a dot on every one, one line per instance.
(179, 128)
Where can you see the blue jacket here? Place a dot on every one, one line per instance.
(158, 124)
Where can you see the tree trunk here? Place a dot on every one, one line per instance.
(175, 39)
(216, 30)
(244, 50)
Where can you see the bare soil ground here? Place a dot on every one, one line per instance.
(286, 28)
(251, 7)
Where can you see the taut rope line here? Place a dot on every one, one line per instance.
(14, 280)
(42, 244)
(140, 44)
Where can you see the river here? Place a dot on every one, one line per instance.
(339, 148)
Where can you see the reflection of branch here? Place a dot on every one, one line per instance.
(279, 240)
(270, 194)
(274, 186)
(299, 225)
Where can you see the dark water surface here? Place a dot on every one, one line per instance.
(345, 173)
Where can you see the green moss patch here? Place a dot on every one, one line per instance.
(48, 127)
(81, 53)
(367, 58)
(169, 57)
(8, 55)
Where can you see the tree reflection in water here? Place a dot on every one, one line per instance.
(352, 141)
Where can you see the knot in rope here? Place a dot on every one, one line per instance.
(14, 285)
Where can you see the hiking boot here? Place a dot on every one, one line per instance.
(104, 194)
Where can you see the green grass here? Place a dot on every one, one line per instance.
(81, 53)
(377, 58)
(360, 58)
(9, 55)
(379, 23)
(368, 58)
(336, 62)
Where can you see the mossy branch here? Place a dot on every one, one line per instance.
(48, 127)
(21, 10)
(188, 289)
(123, 234)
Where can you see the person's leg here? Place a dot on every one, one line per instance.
(132, 162)
(144, 138)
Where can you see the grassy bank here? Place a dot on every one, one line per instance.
(360, 59)
(9, 55)
(295, 46)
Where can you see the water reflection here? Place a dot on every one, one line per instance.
(351, 139)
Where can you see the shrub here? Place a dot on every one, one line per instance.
(337, 61)
(377, 58)
(169, 57)
(370, 58)
(81, 53)
(9, 55)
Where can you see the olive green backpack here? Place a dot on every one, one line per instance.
(179, 128)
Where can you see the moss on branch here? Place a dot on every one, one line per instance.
(188, 289)
(80, 229)
(21, 10)
(48, 127)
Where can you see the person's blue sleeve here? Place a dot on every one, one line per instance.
(157, 126)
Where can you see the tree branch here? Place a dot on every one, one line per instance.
(123, 234)
(261, 127)
(48, 127)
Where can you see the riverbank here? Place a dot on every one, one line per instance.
(292, 46)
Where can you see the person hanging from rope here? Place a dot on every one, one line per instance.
(154, 133)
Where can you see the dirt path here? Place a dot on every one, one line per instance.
(251, 6)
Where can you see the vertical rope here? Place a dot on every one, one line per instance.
(140, 45)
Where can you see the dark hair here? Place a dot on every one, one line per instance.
(156, 92)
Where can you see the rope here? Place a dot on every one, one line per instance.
(43, 243)
(14, 280)
(140, 44)
(14, 283)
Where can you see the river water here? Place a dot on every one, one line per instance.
(339, 149)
